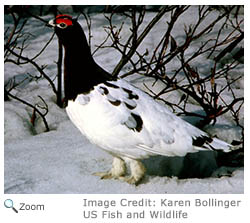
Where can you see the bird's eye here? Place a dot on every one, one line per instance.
(62, 25)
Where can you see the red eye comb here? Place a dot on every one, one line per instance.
(63, 18)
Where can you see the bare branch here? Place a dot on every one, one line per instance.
(34, 107)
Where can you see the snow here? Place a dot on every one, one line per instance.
(63, 161)
(54, 163)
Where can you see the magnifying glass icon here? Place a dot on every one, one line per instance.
(9, 204)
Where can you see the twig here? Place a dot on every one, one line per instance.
(34, 108)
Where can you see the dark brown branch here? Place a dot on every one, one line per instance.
(34, 108)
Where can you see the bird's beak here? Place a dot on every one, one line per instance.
(51, 23)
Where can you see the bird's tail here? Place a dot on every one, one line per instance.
(206, 142)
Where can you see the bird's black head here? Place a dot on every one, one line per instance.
(67, 29)
(78, 61)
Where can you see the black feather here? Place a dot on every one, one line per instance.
(200, 141)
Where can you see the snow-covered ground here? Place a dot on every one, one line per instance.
(62, 160)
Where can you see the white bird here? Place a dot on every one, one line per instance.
(117, 116)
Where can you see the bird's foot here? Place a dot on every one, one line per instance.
(137, 172)
(104, 175)
(118, 170)
(131, 180)
(108, 175)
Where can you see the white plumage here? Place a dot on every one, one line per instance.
(106, 117)
(113, 128)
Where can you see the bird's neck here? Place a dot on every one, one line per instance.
(81, 73)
